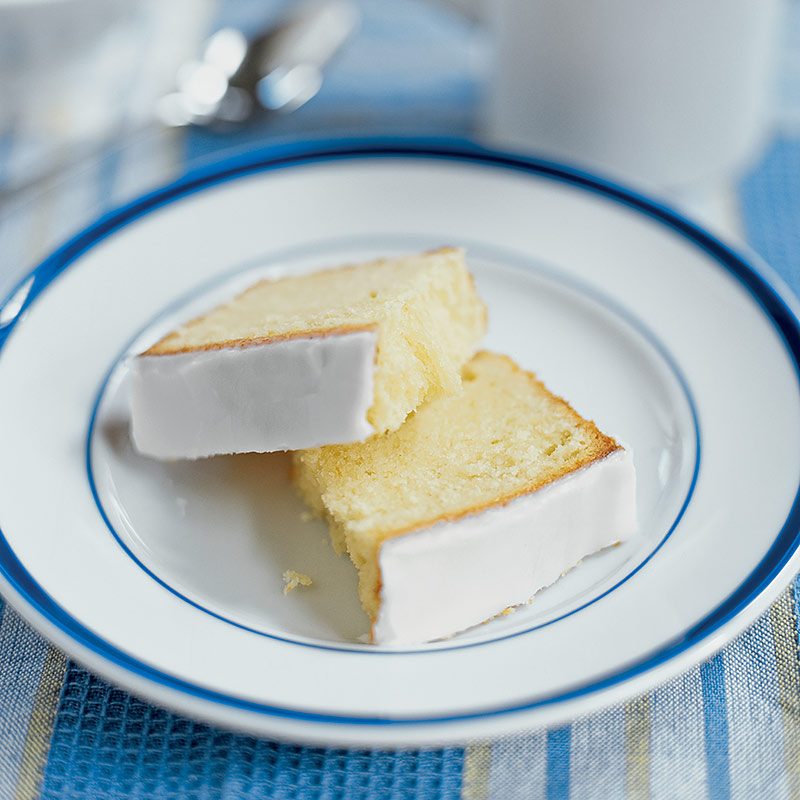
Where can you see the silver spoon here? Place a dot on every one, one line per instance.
(279, 70)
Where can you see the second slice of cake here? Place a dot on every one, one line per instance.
(330, 357)
(478, 501)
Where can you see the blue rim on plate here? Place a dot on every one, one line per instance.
(278, 157)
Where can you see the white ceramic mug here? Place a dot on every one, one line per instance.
(666, 95)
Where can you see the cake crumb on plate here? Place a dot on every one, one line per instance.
(293, 578)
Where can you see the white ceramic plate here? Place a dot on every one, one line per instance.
(166, 577)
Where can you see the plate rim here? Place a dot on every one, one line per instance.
(766, 288)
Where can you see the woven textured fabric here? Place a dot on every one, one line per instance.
(107, 744)
(699, 735)
(726, 729)
(31, 675)
(729, 728)
(771, 209)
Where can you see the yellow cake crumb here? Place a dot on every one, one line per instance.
(292, 578)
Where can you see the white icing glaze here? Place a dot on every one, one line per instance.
(446, 578)
(284, 395)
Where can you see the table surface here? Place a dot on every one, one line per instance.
(730, 727)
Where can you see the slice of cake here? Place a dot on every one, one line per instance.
(478, 501)
(330, 357)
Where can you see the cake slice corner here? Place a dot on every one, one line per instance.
(477, 502)
(306, 360)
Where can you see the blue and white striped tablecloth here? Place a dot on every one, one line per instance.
(729, 728)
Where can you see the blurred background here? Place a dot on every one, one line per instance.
(679, 99)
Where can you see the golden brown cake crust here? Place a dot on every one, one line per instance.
(602, 446)
(162, 348)
(503, 500)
